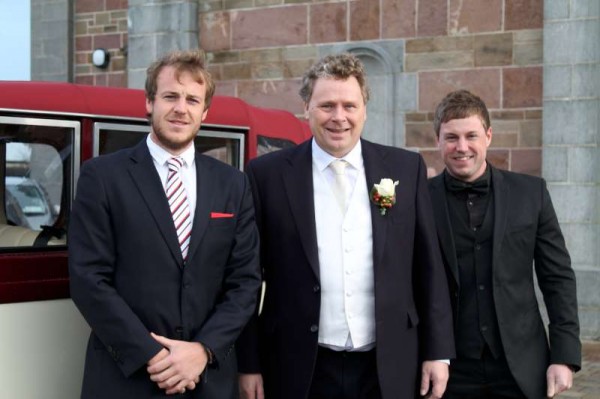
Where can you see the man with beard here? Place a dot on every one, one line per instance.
(163, 252)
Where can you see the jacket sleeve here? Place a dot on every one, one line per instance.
(247, 345)
(431, 286)
(556, 280)
(92, 258)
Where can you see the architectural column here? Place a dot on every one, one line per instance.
(157, 27)
(571, 135)
(52, 40)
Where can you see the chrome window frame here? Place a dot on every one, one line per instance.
(216, 131)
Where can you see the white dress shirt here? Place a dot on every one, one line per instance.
(160, 156)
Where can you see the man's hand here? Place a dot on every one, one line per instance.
(560, 379)
(178, 365)
(251, 386)
(435, 375)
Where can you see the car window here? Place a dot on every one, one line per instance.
(224, 144)
(265, 145)
(36, 172)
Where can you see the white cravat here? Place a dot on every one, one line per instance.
(340, 185)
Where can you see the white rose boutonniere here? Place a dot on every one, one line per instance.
(384, 194)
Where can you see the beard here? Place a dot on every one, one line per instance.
(174, 142)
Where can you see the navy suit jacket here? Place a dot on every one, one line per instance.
(128, 277)
(526, 234)
(412, 307)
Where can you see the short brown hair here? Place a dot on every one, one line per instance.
(191, 61)
(336, 66)
(460, 104)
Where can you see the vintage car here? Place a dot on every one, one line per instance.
(47, 130)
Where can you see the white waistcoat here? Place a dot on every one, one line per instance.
(345, 244)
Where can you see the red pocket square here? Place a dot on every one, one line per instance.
(218, 215)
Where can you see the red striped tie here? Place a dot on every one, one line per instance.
(180, 207)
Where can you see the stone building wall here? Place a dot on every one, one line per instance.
(51, 40)
(415, 50)
(571, 154)
(534, 62)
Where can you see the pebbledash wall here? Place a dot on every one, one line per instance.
(536, 64)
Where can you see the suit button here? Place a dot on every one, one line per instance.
(481, 287)
(314, 328)
(484, 328)
(316, 288)
(179, 330)
(478, 247)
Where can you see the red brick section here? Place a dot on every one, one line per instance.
(523, 14)
(434, 162)
(215, 31)
(420, 134)
(471, 16)
(278, 26)
(328, 23)
(398, 18)
(364, 20)
(433, 86)
(83, 44)
(432, 18)
(88, 6)
(84, 79)
(107, 41)
(282, 94)
(522, 87)
(101, 24)
(499, 158)
(526, 161)
(116, 4)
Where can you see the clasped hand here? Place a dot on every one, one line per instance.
(178, 365)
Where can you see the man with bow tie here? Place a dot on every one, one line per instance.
(494, 228)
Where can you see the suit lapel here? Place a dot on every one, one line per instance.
(146, 179)
(501, 203)
(205, 179)
(376, 168)
(298, 183)
(442, 220)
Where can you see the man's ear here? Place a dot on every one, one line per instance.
(488, 136)
(149, 106)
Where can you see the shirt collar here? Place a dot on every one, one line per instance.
(322, 159)
(161, 156)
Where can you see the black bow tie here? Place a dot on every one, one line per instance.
(480, 187)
